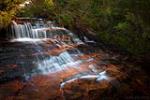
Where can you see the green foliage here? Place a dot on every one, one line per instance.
(124, 23)
(122, 26)
(8, 9)
(5, 18)
(38, 8)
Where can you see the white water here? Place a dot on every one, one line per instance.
(57, 63)
(100, 76)
(27, 40)
(40, 31)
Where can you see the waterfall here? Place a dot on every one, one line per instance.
(55, 64)
(39, 30)
(41, 48)
(27, 30)
(36, 30)
(45, 30)
(22, 30)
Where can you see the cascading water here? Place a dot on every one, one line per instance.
(40, 31)
(37, 30)
(43, 61)
(21, 30)
(39, 48)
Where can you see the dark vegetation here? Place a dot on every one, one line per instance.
(124, 24)
(8, 9)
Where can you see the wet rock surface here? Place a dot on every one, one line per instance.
(21, 80)
(62, 67)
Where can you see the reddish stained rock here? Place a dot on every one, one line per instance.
(13, 65)
(1, 71)
(10, 88)
(113, 70)
(47, 87)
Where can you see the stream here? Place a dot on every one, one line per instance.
(44, 62)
